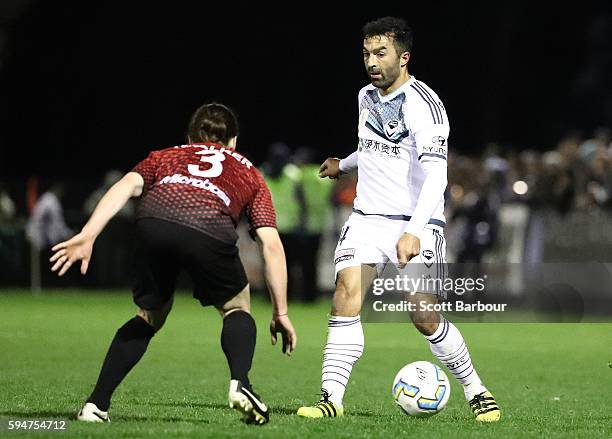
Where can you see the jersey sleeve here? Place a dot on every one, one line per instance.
(430, 127)
(260, 210)
(349, 163)
(148, 169)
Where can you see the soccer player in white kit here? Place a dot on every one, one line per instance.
(398, 215)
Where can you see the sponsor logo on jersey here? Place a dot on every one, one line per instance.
(441, 150)
(391, 127)
(196, 182)
(439, 140)
(382, 148)
(344, 254)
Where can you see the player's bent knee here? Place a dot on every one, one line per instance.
(240, 302)
(347, 296)
(348, 282)
(225, 313)
(148, 318)
(425, 323)
(155, 318)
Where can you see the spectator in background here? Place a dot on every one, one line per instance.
(9, 249)
(284, 181)
(473, 202)
(595, 154)
(316, 212)
(599, 143)
(46, 227)
(110, 262)
(556, 184)
(343, 195)
(496, 171)
(7, 206)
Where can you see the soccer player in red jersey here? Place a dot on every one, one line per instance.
(190, 200)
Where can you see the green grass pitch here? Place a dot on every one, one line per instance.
(551, 380)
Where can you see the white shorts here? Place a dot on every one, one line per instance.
(372, 239)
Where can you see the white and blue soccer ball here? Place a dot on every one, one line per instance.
(421, 389)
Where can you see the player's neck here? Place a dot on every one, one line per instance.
(401, 80)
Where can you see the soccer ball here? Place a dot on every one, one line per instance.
(421, 389)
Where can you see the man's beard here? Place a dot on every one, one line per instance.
(385, 81)
(382, 82)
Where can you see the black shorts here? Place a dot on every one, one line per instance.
(164, 248)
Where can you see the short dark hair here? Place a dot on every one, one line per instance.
(391, 27)
(213, 122)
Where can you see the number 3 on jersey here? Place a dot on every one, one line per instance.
(214, 158)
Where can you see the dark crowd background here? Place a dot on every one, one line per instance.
(88, 88)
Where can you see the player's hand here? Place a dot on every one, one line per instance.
(407, 248)
(330, 168)
(283, 325)
(78, 248)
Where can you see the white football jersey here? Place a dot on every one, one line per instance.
(397, 134)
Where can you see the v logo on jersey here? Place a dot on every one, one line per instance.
(428, 256)
(391, 127)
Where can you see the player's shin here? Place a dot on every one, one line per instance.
(238, 342)
(448, 345)
(344, 347)
(127, 348)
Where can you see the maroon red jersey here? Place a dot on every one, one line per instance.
(204, 186)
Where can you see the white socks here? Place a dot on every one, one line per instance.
(448, 346)
(344, 347)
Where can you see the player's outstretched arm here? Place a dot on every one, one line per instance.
(330, 168)
(80, 247)
(275, 271)
(334, 167)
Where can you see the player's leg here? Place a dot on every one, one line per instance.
(345, 341)
(220, 280)
(238, 335)
(156, 271)
(445, 339)
(127, 348)
(238, 338)
(447, 344)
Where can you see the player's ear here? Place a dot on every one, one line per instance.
(232, 142)
(404, 58)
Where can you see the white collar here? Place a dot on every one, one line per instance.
(400, 89)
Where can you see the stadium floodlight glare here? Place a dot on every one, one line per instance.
(520, 187)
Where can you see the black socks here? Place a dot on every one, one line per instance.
(238, 339)
(127, 348)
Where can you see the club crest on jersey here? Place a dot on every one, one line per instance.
(427, 257)
(391, 127)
